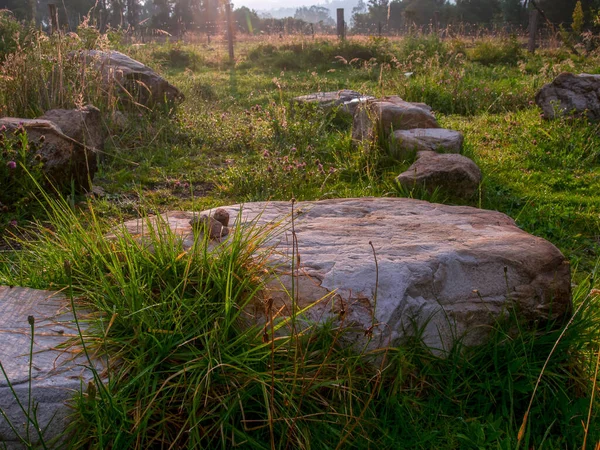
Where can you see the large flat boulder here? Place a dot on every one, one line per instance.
(58, 368)
(63, 158)
(380, 117)
(454, 174)
(344, 102)
(449, 271)
(569, 93)
(405, 144)
(120, 72)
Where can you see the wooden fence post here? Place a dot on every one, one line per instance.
(533, 23)
(341, 26)
(229, 30)
(53, 18)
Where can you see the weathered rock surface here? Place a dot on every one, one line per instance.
(451, 270)
(345, 101)
(570, 93)
(454, 174)
(83, 124)
(63, 157)
(57, 372)
(143, 84)
(406, 143)
(379, 117)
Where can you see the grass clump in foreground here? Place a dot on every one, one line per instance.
(187, 369)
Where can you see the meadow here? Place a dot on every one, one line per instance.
(209, 383)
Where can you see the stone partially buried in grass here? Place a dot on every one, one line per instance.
(138, 82)
(404, 144)
(82, 124)
(454, 174)
(63, 158)
(344, 101)
(449, 271)
(571, 94)
(59, 369)
(380, 117)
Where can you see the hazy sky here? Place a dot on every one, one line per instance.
(263, 5)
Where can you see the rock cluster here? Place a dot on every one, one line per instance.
(408, 128)
(215, 224)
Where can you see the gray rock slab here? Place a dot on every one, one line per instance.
(406, 143)
(58, 368)
(450, 270)
(344, 101)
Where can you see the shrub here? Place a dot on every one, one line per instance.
(20, 172)
(489, 52)
(429, 45)
(178, 58)
(42, 76)
(12, 33)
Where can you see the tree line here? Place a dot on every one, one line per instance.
(399, 14)
(207, 15)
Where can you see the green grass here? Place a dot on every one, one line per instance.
(184, 369)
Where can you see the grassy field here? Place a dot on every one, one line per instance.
(208, 383)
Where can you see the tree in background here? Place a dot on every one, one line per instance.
(161, 17)
(247, 20)
(314, 14)
(478, 11)
(22, 9)
(561, 11)
(514, 12)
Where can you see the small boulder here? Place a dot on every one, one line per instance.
(142, 84)
(570, 93)
(405, 144)
(221, 215)
(454, 174)
(63, 158)
(380, 117)
(345, 101)
(83, 124)
(210, 225)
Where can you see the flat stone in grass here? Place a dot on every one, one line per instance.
(405, 144)
(454, 174)
(450, 271)
(58, 368)
(345, 101)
